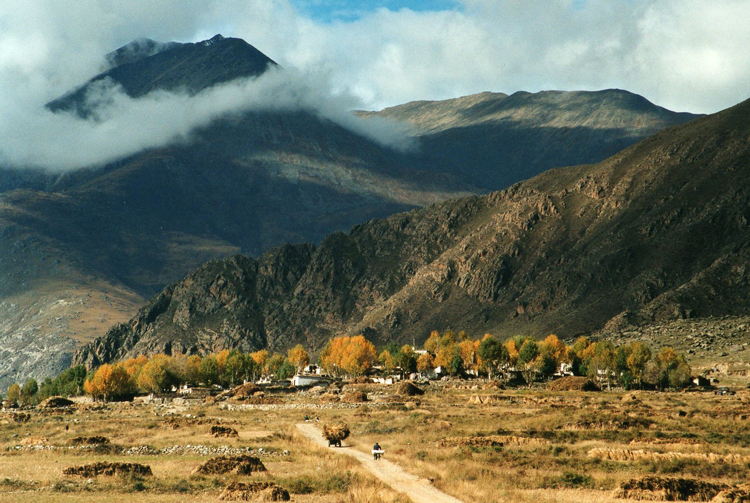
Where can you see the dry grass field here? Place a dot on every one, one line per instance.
(519, 445)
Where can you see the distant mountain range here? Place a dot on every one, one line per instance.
(658, 232)
(83, 250)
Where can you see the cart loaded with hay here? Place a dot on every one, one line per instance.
(335, 433)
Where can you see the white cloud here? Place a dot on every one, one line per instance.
(683, 54)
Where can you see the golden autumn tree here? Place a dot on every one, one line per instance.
(221, 361)
(469, 351)
(387, 361)
(510, 345)
(352, 356)
(154, 376)
(432, 344)
(359, 356)
(109, 381)
(425, 362)
(193, 369)
(298, 357)
(261, 359)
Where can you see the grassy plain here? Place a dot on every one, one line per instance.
(561, 446)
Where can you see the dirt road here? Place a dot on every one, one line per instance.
(418, 489)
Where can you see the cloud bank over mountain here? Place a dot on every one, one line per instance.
(686, 55)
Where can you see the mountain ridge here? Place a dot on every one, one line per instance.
(657, 232)
(82, 251)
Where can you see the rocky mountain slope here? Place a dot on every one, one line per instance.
(82, 250)
(656, 233)
(497, 140)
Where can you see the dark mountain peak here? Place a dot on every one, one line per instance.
(137, 50)
(216, 38)
(144, 66)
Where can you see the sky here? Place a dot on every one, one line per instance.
(685, 55)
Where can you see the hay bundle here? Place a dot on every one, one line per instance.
(409, 389)
(241, 465)
(95, 440)
(335, 433)
(354, 397)
(328, 398)
(103, 468)
(573, 383)
(254, 491)
(224, 431)
(55, 402)
(316, 390)
(667, 489)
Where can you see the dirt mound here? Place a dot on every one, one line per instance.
(489, 399)
(20, 417)
(254, 491)
(491, 441)
(176, 422)
(409, 389)
(241, 465)
(573, 383)
(55, 402)
(669, 441)
(493, 385)
(738, 494)
(245, 391)
(641, 455)
(259, 399)
(329, 398)
(34, 441)
(470, 441)
(354, 397)
(335, 433)
(612, 423)
(667, 489)
(89, 441)
(224, 431)
(104, 468)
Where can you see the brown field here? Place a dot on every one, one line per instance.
(521, 446)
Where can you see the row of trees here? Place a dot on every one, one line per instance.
(630, 365)
(68, 383)
(161, 372)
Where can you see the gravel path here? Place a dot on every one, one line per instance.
(418, 489)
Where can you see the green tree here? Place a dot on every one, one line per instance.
(493, 353)
(285, 370)
(235, 367)
(456, 367)
(29, 391)
(275, 363)
(209, 370)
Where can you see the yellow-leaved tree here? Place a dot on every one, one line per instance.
(298, 357)
(109, 381)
